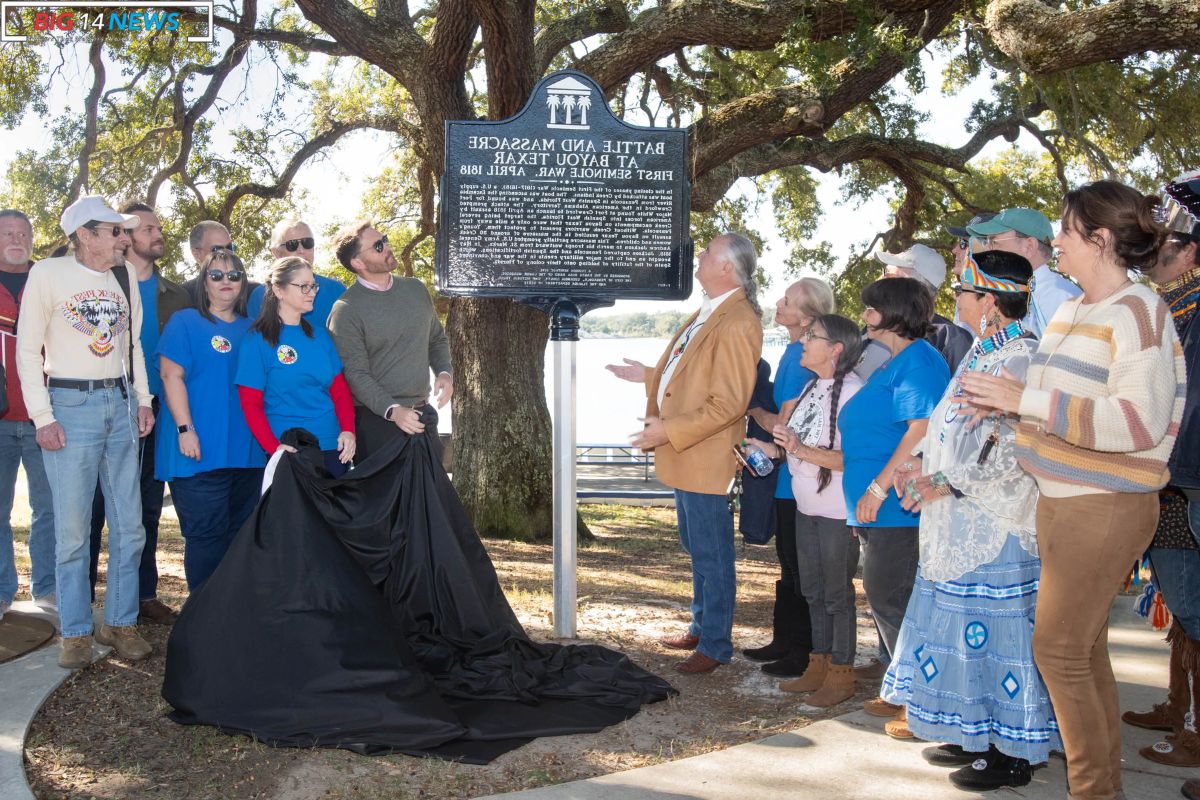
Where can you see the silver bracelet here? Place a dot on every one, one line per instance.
(876, 490)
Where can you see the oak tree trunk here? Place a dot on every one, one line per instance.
(502, 433)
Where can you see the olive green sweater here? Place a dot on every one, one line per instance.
(388, 341)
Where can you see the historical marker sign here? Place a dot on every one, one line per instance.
(564, 199)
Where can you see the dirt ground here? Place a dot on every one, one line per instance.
(105, 734)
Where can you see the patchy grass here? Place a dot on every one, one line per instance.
(105, 734)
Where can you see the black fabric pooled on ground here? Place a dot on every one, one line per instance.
(364, 613)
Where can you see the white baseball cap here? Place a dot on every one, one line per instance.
(925, 261)
(93, 208)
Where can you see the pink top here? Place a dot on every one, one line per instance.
(810, 421)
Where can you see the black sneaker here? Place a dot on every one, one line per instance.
(790, 666)
(948, 755)
(992, 771)
(768, 652)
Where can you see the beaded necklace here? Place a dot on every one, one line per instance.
(994, 342)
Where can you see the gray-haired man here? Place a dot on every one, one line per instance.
(83, 376)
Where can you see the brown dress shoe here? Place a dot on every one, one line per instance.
(1190, 790)
(697, 664)
(156, 611)
(684, 642)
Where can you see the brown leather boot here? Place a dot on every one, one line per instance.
(1168, 716)
(837, 688)
(813, 677)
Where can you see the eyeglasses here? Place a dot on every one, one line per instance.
(292, 245)
(379, 245)
(964, 242)
(231, 247)
(959, 289)
(808, 334)
(307, 288)
(991, 241)
(117, 230)
(216, 275)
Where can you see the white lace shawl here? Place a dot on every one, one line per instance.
(999, 498)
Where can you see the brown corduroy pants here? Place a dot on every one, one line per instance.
(1088, 545)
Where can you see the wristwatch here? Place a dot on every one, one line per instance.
(186, 428)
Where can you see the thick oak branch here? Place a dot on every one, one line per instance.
(1043, 39)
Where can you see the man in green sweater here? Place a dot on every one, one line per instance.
(389, 337)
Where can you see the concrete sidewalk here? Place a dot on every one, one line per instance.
(25, 683)
(850, 758)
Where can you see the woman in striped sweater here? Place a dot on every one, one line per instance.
(1099, 409)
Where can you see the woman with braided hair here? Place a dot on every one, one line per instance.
(827, 553)
(964, 664)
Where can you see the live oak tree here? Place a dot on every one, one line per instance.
(769, 91)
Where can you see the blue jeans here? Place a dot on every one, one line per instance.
(212, 507)
(706, 533)
(17, 445)
(1194, 520)
(1177, 575)
(102, 443)
(152, 504)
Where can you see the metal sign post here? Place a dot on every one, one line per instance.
(564, 333)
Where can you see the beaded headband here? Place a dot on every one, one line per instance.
(973, 275)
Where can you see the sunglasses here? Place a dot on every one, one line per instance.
(216, 275)
(307, 288)
(292, 245)
(379, 245)
(231, 247)
(959, 289)
(116, 230)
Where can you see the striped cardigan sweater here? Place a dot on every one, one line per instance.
(1104, 396)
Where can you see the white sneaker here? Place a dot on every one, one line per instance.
(47, 602)
(5, 605)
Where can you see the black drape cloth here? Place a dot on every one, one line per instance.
(364, 613)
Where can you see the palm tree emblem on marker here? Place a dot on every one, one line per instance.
(569, 95)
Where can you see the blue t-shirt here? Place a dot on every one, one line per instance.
(148, 289)
(208, 353)
(790, 380)
(873, 422)
(327, 295)
(294, 377)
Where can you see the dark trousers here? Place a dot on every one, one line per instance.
(791, 606)
(212, 508)
(152, 504)
(373, 432)
(785, 546)
(889, 570)
(333, 463)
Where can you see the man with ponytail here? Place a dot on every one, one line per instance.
(697, 395)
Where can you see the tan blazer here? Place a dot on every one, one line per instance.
(704, 407)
